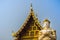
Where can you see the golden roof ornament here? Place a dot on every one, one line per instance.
(31, 7)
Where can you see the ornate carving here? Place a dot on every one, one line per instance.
(47, 34)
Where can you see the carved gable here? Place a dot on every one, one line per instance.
(30, 29)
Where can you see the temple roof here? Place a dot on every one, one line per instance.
(28, 18)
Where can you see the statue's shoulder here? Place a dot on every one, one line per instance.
(53, 30)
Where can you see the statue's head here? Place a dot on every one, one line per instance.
(46, 23)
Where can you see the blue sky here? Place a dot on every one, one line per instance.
(14, 12)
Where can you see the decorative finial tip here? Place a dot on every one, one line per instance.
(31, 7)
(31, 4)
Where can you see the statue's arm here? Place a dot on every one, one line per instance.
(41, 35)
(40, 38)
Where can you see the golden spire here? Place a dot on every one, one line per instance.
(31, 4)
(31, 7)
